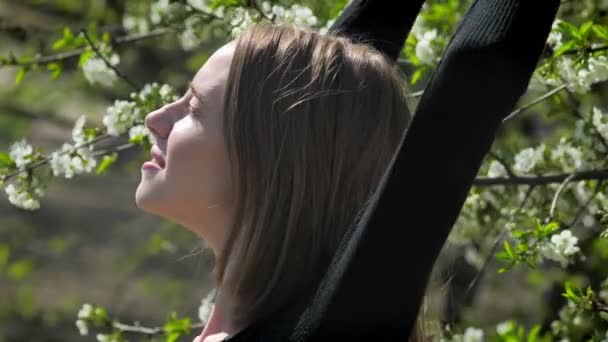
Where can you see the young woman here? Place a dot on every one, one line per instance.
(288, 156)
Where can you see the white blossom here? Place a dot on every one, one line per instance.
(83, 327)
(106, 338)
(561, 247)
(472, 334)
(21, 198)
(425, 48)
(241, 19)
(599, 121)
(21, 153)
(119, 117)
(496, 169)
(528, 158)
(190, 37)
(580, 78)
(555, 37)
(598, 68)
(504, 327)
(568, 156)
(96, 71)
(138, 132)
(70, 161)
(206, 306)
(135, 24)
(86, 311)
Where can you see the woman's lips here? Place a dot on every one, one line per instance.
(150, 165)
(157, 157)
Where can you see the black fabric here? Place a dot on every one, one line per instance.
(374, 287)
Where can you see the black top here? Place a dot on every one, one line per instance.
(374, 287)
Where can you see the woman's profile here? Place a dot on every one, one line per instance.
(269, 157)
(289, 156)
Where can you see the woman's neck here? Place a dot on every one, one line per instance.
(219, 325)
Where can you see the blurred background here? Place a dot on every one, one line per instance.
(89, 243)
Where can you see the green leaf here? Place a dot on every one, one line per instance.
(570, 29)
(586, 29)
(5, 160)
(508, 249)
(84, 57)
(55, 69)
(106, 162)
(600, 31)
(417, 75)
(20, 269)
(68, 35)
(5, 252)
(226, 3)
(58, 44)
(570, 45)
(20, 74)
(533, 335)
(175, 325)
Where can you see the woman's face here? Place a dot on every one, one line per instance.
(188, 177)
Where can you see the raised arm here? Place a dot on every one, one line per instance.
(383, 24)
(376, 283)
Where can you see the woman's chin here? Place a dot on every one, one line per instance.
(144, 199)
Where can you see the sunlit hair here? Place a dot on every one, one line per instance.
(310, 123)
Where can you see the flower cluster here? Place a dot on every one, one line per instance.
(123, 115)
(496, 169)
(96, 71)
(569, 157)
(25, 192)
(599, 121)
(240, 19)
(85, 314)
(76, 158)
(22, 153)
(471, 334)
(426, 49)
(561, 248)
(527, 159)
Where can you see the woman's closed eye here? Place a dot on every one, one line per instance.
(192, 110)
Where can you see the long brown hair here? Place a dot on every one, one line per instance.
(310, 124)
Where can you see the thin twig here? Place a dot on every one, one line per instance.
(415, 94)
(148, 331)
(504, 164)
(201, 11)
(596, 191)
(559, 191)
(536, 101)
(120, 74)
(496, 243)
(254, 4)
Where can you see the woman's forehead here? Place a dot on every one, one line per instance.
(214, 72)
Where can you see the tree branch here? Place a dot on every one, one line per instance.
(542, 179)
(77, 52)
(120, 74)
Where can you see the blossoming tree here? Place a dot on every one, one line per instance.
(538, 207)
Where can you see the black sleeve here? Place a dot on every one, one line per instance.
(374, 287)
(382, 24)
(376, 282)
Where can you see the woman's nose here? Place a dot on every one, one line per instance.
(159, 122)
